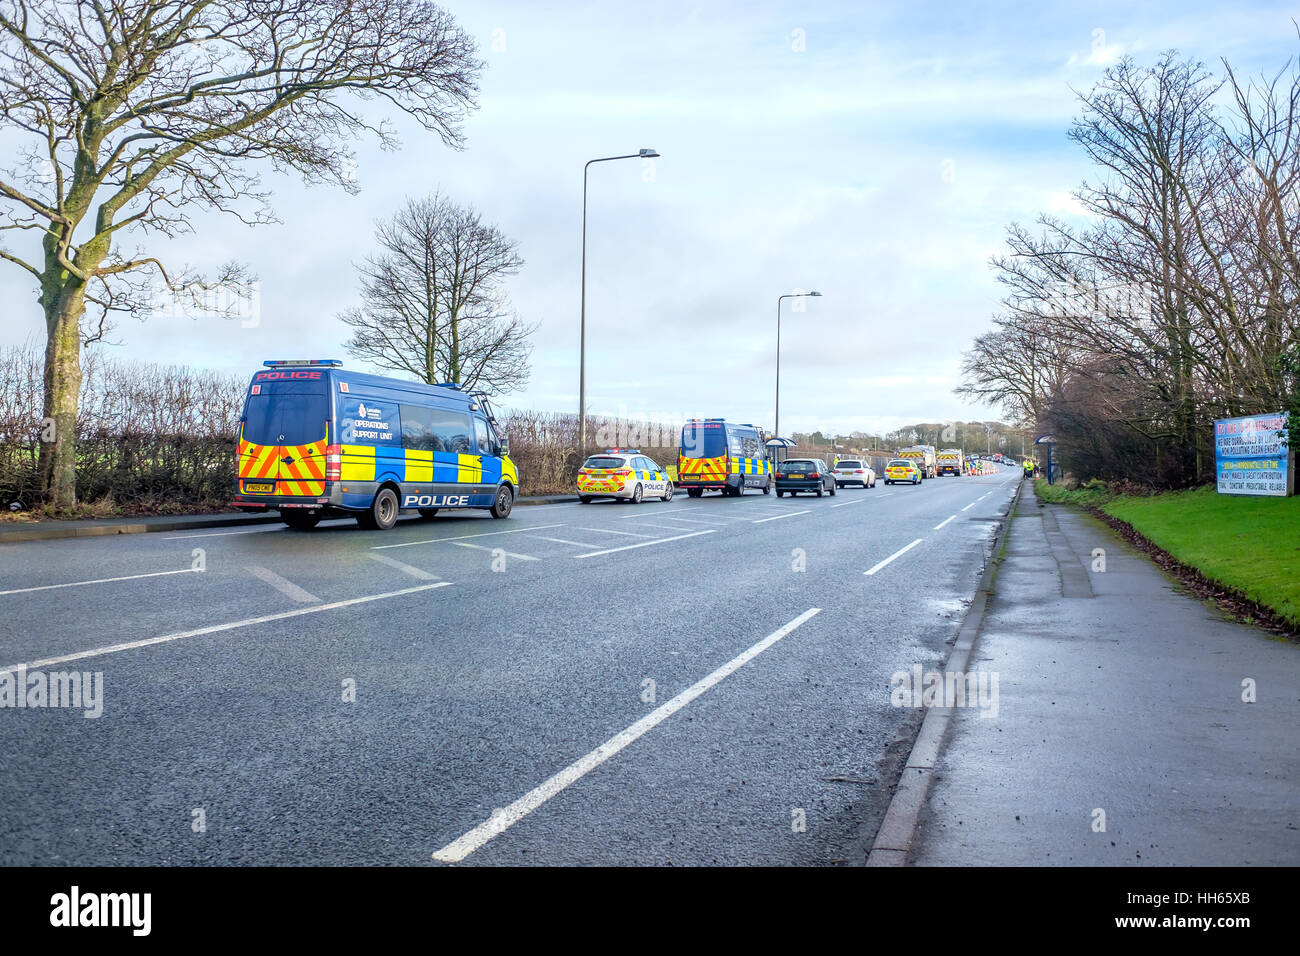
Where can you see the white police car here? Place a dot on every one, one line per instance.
(622, 473)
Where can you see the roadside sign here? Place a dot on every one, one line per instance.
(1251, 456)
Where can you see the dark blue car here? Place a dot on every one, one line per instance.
(804, 474)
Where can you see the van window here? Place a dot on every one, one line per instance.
(482, 435)
(703, 440)
(451, 431)
(286, 413)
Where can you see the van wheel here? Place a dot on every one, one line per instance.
(299, 522)
(694, 492)
(780, 494)
(505, 501)
(767, 488)
(426, 514)
(382, 514)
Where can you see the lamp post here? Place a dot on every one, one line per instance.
(582, 335)
(792, 295)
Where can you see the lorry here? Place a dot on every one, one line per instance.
(949, 462)
(923, 456)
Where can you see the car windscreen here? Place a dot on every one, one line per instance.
(704, 440)
(603, 462)
(286, 413)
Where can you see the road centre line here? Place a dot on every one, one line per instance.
(857, 501)
(788, 514)
(483, 547)
(971, 505)
(76, 584)
(462, 537)
(897, 554)
(645, 544)
(501, 821)
(943, 522)
(413, 571)
(283, 585)
(216, 628)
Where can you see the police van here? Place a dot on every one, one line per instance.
(316, 441)
(722, 455)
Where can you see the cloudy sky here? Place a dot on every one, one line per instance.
(874, 152)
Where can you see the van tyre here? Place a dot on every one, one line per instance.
(299, 522)
(382, 514)
(767, 488)
(694, 492)
(505, 500)
(427, 514)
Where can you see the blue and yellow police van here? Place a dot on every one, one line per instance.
(317, 441)
(722, 455)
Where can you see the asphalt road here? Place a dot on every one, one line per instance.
(503, 709)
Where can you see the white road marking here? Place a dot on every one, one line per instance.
(414, 572)
(221, 534)
(483, 547)
(645, 544)
(501, 821)
(844, 503)
(216, 628)
(697, 521)
(77, 584)
(630, 534)
(788, 514)
(581, 544)
(944, 522)
(665, 527)
(971, 505)
(462, 537)
(897, 554)
(983, 496)
(283, 585)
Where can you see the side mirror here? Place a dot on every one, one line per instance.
(503, 448)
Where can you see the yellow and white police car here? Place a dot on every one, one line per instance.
(622, 473)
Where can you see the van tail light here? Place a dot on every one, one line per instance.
(334, 463)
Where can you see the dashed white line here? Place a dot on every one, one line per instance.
(413, 571)
(77, 584)
(943, 522)
(221, 534)
(843, 504)
(971, 505)
(897, 554)
(646, 544)
(216, 628)
(788, 514)
(483, 547)
(581, 544)
(463, 846)
(283, 585)
(704, 521)
(630, 534)
(462, 537)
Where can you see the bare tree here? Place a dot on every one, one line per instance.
(434, 305)
(135, 113)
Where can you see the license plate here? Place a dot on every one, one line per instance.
(258, 488)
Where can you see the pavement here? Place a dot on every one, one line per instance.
(1122, 732)
(695, 682)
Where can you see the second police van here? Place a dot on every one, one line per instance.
(722, 455)
(316, 441)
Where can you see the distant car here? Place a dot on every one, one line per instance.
(851, 471)
(902, 469)
(626, 475)
(804, 474)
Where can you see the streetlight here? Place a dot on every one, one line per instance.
(582, 346)
(793, 295)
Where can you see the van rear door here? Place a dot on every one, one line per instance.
(283, 439)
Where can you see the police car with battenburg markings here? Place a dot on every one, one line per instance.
(622, 473)
(316, 441)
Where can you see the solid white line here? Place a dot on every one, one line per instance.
(283, 585)
(943, 522)
(483, 547)
(77, 584)
(844, 503)
(971, 505)
(581, 544)
(414, 572)
(703, 521)
(215, 628)
(630, 534)
(463, 846)
(462, 537)
(788, 514)
(897, 554)
(221, 534)
(645, 544)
